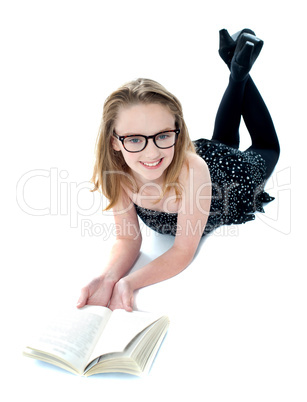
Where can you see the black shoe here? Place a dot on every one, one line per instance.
(228, 43)
(246, 52)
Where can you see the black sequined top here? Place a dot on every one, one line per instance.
(237, 189)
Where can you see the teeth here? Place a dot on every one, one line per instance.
(152, 164)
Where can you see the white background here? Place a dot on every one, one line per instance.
(238, 313)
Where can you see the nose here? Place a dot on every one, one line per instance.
(151, 151)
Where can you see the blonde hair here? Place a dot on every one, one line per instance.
(110, 169)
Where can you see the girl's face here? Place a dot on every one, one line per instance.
(145, 119)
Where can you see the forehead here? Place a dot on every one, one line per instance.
(144, 119)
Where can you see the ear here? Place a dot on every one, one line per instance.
(115, 144)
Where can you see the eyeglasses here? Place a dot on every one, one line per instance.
(136, 143)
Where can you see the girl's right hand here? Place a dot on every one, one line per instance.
(98, 292)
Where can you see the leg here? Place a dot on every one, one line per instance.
(260, 126)
(245, 52)
(243, 98)
(228, 117)
(253, 109)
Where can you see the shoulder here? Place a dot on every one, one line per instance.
(195, 160)
(194, 167)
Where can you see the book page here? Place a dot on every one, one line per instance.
(72, 334)
(122, 327)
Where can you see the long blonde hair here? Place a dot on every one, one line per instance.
(110, 169)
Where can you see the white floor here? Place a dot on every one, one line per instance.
(238, 312)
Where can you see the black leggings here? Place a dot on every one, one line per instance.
(244, 99)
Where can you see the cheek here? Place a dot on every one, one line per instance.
(130, 158)
(170, 152)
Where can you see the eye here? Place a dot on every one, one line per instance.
(134, 140)
(163, 136)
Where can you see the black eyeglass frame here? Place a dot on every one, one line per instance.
(123, 137)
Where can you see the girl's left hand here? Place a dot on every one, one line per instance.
(122, 297)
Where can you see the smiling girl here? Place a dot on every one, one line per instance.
(147, 167)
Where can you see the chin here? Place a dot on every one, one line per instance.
(152, 176)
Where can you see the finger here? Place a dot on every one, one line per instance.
(128, 303)
(83, 298)
(112, 304)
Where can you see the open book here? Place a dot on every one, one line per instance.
(95, 340)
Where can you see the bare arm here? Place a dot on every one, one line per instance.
(190, 225)
(123, 255)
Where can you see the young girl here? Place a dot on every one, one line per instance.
(147, 166)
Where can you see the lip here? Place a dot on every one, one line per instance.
(152, 165)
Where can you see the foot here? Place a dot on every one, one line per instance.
(246, 52)
(228, 44)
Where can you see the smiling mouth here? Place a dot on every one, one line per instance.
(153, 164)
